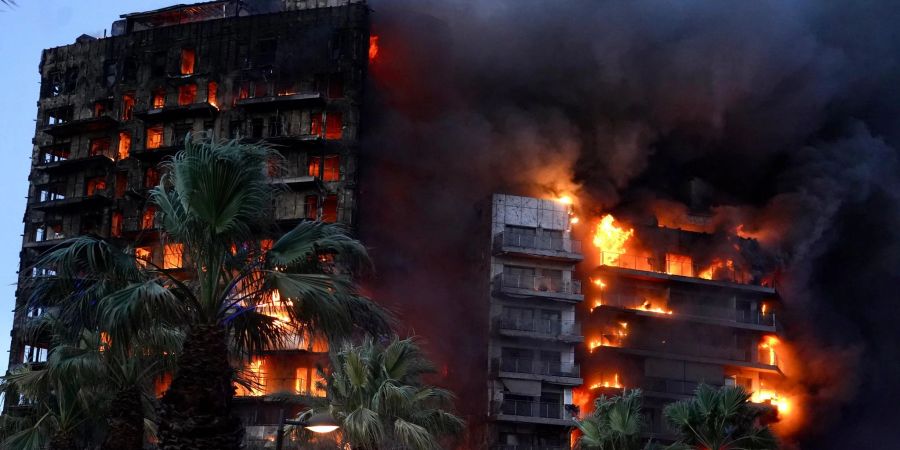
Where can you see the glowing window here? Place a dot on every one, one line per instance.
(679, 265)
(115, 227)
(187, 94)
(128, 106)
(330, 209)
(142, 255)
(211, 89)
(173, 256)
(124, 144)
(188, 60)
(148, 219)
(94, 185)
(161, 384)
(301, 381)
(334, 125)
(158, 100)
(331, 170)
(256, 377)
(154, 137)
(99, 109)
(318, 384)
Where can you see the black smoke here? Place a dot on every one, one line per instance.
(788, 111)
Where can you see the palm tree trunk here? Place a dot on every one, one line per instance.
(195, 413)
(126, 421)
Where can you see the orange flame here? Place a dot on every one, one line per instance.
(373, 47)
(611, 238)
(769, 345)
(614, 383)
(647, 306)
(717, 264)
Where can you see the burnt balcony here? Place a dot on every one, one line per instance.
(687, 350)
(561, 330)
(72, 203)
(74, 164)
(539, 246)
(540, 369)
(724, 275)
(168, 113)
(279, 101)
(537, 286)
(73, 127)
(549, 413)
(694, 312)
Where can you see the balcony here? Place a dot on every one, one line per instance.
(688, 350)
(72, 203)
(530, 411)
(535, 286)
(279, 101)
(551, 371)
(728, 317)
(300, 182)
(678, 270)
(672, 389)
(155, 154)
(167, 113)
(73, 127)
(73, 165)
(566, 331)
(545, 247)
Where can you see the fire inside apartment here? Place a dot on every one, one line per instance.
(288, 73)
(660, 309)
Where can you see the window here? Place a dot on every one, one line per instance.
(154, 137)
(143, 255)
(71, 81)
(187, 94)
(115, 224)
(52, 86)
(330, 209)
(330, 172)
(148, 219)
(315, 124)
(100, 108)
(35, 354)
(151, 177)
(100, 147)
(235, 129)
(158, 64)
(181, 132)
(276, 126)
(188, 60)
(48, 232)
(124, 144)
(255, 375)
(50, 193)
(256, 128)
(243, 90)
(109, 72)
(334, 125)
(129, 69)
(311, 207)
(158, 99)
(212, 88)
(54, 154)
(265, 52)
(260, 89)
(335, 87)
(121, 183)
(128, 106)
(59, 116)
(94, 186)
(173, 256)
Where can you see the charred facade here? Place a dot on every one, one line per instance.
(288, 73)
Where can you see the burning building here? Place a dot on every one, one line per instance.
(288, 73)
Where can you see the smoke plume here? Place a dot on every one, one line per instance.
(787, 112)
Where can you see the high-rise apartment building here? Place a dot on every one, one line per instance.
(285, 72)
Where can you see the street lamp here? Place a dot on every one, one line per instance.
(318, 423)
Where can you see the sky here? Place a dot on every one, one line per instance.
(28, 28)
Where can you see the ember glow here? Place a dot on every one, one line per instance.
(611, 238)
(373, 47)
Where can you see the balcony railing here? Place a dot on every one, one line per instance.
(539, 284)
(548, 327)
(670, 386)
(542, 242)
(685, 310)
(537, 367)
(677, 267)
(530, 408)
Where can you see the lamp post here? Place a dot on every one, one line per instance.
(318, 423)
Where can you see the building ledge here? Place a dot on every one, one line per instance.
(689, 318)
(531, 293)
(155, 154)
(766, 368)
(562, 337)
(278, 101)
(652, 275)
(204, 109)
(552, 379)
(73, 164)
(535, 420)
(81, 126)
(72, 203)
(302, 182)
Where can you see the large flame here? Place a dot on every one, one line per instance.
(373, 47)
(612, 382)
(611, 239)
(717, 264)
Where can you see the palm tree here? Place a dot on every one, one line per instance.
(376, 393)
(720, 419)
(615, 423)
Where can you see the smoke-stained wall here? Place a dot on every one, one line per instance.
(785, 111)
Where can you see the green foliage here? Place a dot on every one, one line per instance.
(719, 419)
(615, 423)
(377, 395)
